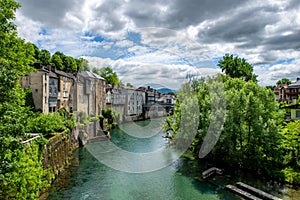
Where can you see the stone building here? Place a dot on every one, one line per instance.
(89, 93)
(38, 82)
(65, 90)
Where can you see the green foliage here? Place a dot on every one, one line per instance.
(24, 176)
(7, 14)
(108, 74)
(251, 131)
(283, 81)
(110, 116)
(129, 85)
(291, 175)
(69, 63)
(57, 61)
(82, 65)
(37, 53)
(63, 62)
(236, 67)
(44, 57)
(49, 124)
(291, 144)
(82, 118)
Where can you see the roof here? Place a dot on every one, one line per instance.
(62, 73)
(53, 75)
(88, 74)
(295, 85)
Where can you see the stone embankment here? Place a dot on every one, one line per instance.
(59, 148)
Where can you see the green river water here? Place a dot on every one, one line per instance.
(88, 178)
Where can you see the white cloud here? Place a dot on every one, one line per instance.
(182, 33)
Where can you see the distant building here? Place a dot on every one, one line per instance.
(134, 103)
(288, 93)
(128, 102)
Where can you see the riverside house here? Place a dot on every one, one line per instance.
(89, 93)
(53, 89)
(288, 93)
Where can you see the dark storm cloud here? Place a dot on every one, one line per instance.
(177, 14)
(293, 4)
(193, 12)
(245, 27)
(284, 42)
(49, 12)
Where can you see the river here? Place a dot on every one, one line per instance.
(95, 175)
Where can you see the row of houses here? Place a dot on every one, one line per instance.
(88, 92)
(289, 94)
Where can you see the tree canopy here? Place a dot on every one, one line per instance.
(82, 65)
(283, 81)
(236, 67)
(252, 131)
(108, 74)
(21, 171)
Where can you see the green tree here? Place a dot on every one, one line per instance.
(283, 81)
(109, 75)
(21, 171)
(236, 67)
(82, 65)
(290, 148)
(250, 132)
(45, 57)
(57, 62)
(96, 71)
(37, 52)
(129, 85)
(69, 64)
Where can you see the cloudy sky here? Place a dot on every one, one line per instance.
(163, 41)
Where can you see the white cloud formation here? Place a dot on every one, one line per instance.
(171, 35)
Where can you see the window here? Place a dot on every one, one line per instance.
(297, 113)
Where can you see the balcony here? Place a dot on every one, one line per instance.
(292, 93)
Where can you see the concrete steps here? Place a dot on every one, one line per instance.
(97, 139)
(241, 193)
(211, 171)
(249, 192)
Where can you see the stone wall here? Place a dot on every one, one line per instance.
(56, 153)
(59, 149)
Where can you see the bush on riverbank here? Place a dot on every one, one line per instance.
(49, 124)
